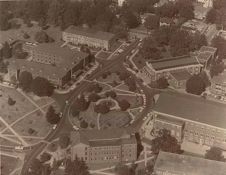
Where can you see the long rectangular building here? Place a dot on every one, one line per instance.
(87, 36)
(176, 164)
(201, 121)
(104, 146)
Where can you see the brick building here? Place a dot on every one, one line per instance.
(176, 164)
(192, 118)
(104, 146)
(87, 36)
(50, 61)
(177, 70)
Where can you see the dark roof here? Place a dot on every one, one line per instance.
(91, 33)
(183, 164)
(173, 62)
(191, 107)
(181, 75)
(95, 137)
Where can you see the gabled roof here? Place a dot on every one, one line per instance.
(168, 63)
(88, 32)
(184, 164)
(192, 107)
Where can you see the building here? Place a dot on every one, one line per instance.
(87, 36)
(176, 69)
(139, 32)
(120, 2)
(206, 3)
(52, 62)
(203, 120)
(176, 164)
(104, 146)
(206, 54)
(218, 84)
(194, 26)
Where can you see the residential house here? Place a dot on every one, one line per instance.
(104, 146)
(87, 36)
(203, 120)
(177, 164)
(50, 61)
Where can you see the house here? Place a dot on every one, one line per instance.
(206, 54)
(139, 32)
(87, 36)
(176, 69)
(49, 60)
(104, 146)
(177, 164)
(203, 120)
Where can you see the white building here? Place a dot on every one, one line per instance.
(206, 3)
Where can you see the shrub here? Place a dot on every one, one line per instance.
(11, 102)
(83, 124)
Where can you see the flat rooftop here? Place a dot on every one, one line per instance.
(184, 164)
(89, 32)
(191, 107)
(168, 63)
(181, 75)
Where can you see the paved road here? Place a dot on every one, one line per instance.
(62, 98)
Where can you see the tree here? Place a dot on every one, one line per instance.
(6, 50)
(131, 83)
(215, 153)
(64, 141)
(167, 10)
(51, 116)
(25, 80)
(11, 102)
(165, 142)
(81, 104)
(18, 51)
(83, 124)
(131, 20)
(163, 34)
(149, 49)
(42, 87)
(44, 157)
(123, 75)
(185, 9)
(76, 166)
(124, 104)
(216, 68)
(195, 85)
(35, 167)
(162, 83)
(94, 97)
(4, 21)
(41, 37)
(111, 94)
(102, 108)
(211, 16)
(220, 44)
(152, 22)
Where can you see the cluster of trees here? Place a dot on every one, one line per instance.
(39, 86)
(81, 104)
(220, 44)
(129, 80)
(215, 153)
(64, 141)
(217, 15)
(197, 83)
(51, 116)
(217, 66)
(42, 37)
(103, 107)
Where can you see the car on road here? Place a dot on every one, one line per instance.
(54, 126)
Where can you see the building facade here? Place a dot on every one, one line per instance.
(108, 146)
(201, 121)
(90, 37)
(177, 164)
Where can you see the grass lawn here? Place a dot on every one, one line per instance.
(9, 143)
(2, 126)
(103, 55)
(36, 121)
(112, 77)
(40, 101)
(114, 119)
(8, 164)
(123, 87)
(13, 112)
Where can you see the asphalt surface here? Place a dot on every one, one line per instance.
(108, 65)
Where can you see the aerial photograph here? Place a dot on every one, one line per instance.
(112, 87)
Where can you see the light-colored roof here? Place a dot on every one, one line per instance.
(208, 49)
(193, 108)
(170, 120)
(173, 62)
(184, 164)
(91, 33)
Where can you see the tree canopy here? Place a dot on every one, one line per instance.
(25, 80)
(152, 22)
(215, 153)
(42, 87)
(51, 116)
(195, 85)
(76, 166)
(64, 141)
(81, 104)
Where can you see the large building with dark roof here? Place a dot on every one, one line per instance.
(87, 36)
(50, 61)
(176, 164)
(176, 69)
(104, 146)
(201, 121)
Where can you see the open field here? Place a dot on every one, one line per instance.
(10, 113)
(8, 164)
